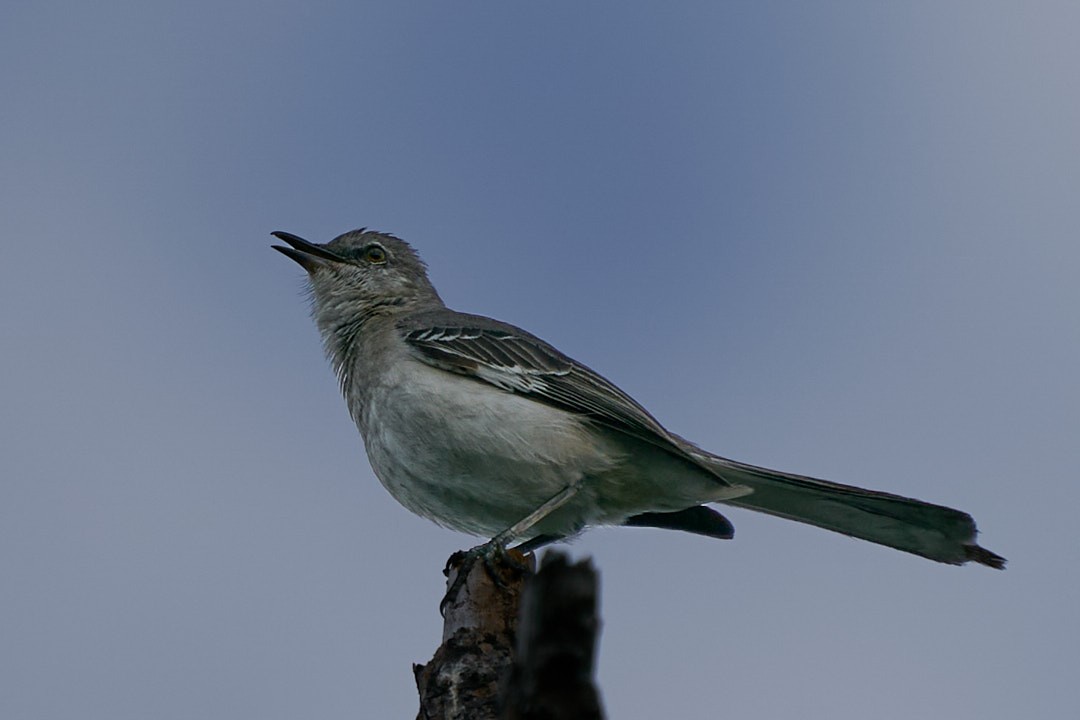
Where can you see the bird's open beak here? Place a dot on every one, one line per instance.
(309, 255)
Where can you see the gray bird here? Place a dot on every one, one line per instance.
(489, 430)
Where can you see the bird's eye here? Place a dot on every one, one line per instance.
(374, 254)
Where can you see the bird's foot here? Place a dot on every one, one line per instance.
(498, 562)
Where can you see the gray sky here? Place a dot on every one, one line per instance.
(830, 238)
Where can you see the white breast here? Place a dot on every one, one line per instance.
(470, 456)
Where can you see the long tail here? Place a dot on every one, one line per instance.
(932, 531)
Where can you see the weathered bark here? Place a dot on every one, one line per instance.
(462, 681)
(520, 651)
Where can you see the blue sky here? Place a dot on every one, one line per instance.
(839, 239)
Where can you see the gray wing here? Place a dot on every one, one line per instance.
(516, 361)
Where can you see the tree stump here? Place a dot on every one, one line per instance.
(522, 649)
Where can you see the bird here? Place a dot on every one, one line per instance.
(484, 428)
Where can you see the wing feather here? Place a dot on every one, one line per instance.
(515, 360)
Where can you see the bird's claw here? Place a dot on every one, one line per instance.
(496, 561)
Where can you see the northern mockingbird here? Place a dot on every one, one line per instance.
(489, 430)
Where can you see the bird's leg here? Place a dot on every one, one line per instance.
(495, 548)
(526, 523)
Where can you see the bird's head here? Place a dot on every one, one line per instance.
(360, 274)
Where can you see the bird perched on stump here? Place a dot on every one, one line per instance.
(489, 430)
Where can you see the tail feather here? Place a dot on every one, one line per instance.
(914, 526)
